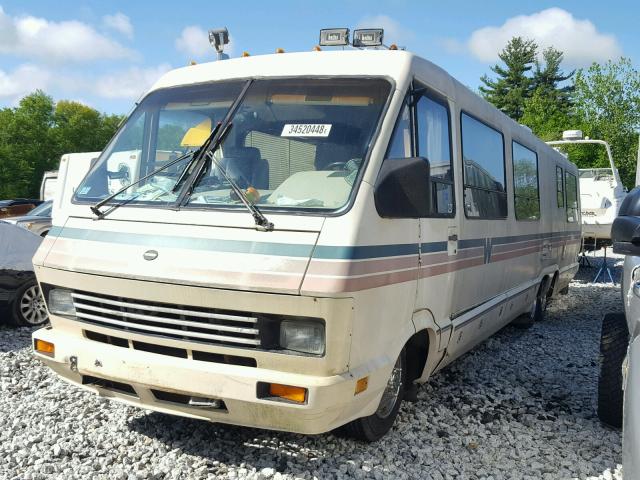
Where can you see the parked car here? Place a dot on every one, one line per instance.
(18, 206)
(619, 380)
(38, 220)
(20, 300)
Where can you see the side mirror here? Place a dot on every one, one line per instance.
(403, 188)
(625, 231)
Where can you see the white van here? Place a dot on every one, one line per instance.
(354, 222)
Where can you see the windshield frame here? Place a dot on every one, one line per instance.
(270, 209)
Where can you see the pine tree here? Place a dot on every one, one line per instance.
(513, 86)
(548, 78)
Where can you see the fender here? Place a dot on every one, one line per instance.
(423, 319)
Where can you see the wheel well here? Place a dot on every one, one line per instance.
(416, 351)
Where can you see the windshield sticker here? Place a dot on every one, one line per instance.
(306, 130)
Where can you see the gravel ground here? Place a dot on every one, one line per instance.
(521, 405)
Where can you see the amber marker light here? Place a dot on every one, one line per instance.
(295, 394)
(361, 385)
(46, 348)
(246, 54)
(279, 50)
(317, 48)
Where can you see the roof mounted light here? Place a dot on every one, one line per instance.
(572, 135)
(334, 37)
(218, 38)
(368, 37)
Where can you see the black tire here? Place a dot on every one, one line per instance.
(28, 308)
(614, 341)
(374, 427)
(538, 308)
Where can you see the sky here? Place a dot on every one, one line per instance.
(107, 54)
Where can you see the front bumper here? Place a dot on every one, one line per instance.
(330, 401)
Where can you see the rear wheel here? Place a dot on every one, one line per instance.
(614, 340)
(374, 427)
(28, 307)
(538, 307)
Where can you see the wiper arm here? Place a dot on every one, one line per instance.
(196, 156)
(96, 208)
(262, 223)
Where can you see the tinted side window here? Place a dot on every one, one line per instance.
(571, 187)
(434, 144)
(400, 144)
(526, 195)
(485, 194)
(559, 187)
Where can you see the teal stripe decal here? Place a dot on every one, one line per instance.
(191, 243)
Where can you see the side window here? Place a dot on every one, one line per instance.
(571, 187)
(434, 144)
(400, 144)
(560, 187)
(485, 194)
(526, 195)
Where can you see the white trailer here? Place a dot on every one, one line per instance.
(355, 221)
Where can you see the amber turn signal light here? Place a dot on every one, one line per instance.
(46, 348)
(361, 385)
(295, 394)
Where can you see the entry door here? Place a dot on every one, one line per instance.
(439, 232)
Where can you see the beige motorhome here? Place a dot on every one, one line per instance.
(354, 221)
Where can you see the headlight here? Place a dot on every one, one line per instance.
(61, 303)
(27, 225)
(302, 336)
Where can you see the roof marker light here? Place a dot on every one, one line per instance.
(246, 54)
(279, 50)
(334, 37)
(368, 37)
(317, 48)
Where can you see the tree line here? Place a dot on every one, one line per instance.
(38, 131)
(528, 85)
(603, 101)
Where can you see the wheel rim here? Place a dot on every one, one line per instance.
(32, 308)
(391, 392)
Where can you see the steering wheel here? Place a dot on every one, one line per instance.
(336, 166)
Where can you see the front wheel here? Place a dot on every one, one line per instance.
(374, 427)
(28, 307)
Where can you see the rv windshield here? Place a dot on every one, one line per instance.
(295, 144)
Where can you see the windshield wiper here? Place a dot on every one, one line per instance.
(262, 223)
(96, 208)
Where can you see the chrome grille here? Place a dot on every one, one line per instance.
(192, 324)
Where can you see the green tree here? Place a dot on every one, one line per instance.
(37, 132)
(513, 85)
(607, 107)
(546, 117)
(26, 145)
(549, 79)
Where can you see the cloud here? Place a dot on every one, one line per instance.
(580, 40)
(393, 31)
(22, 80)
(56, 42)
(194, 41)
(129, 83)
(120, 23)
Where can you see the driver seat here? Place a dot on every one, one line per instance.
(245, 165)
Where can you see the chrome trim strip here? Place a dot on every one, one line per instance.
(180, 333)
(168, 321)
(177, 311)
